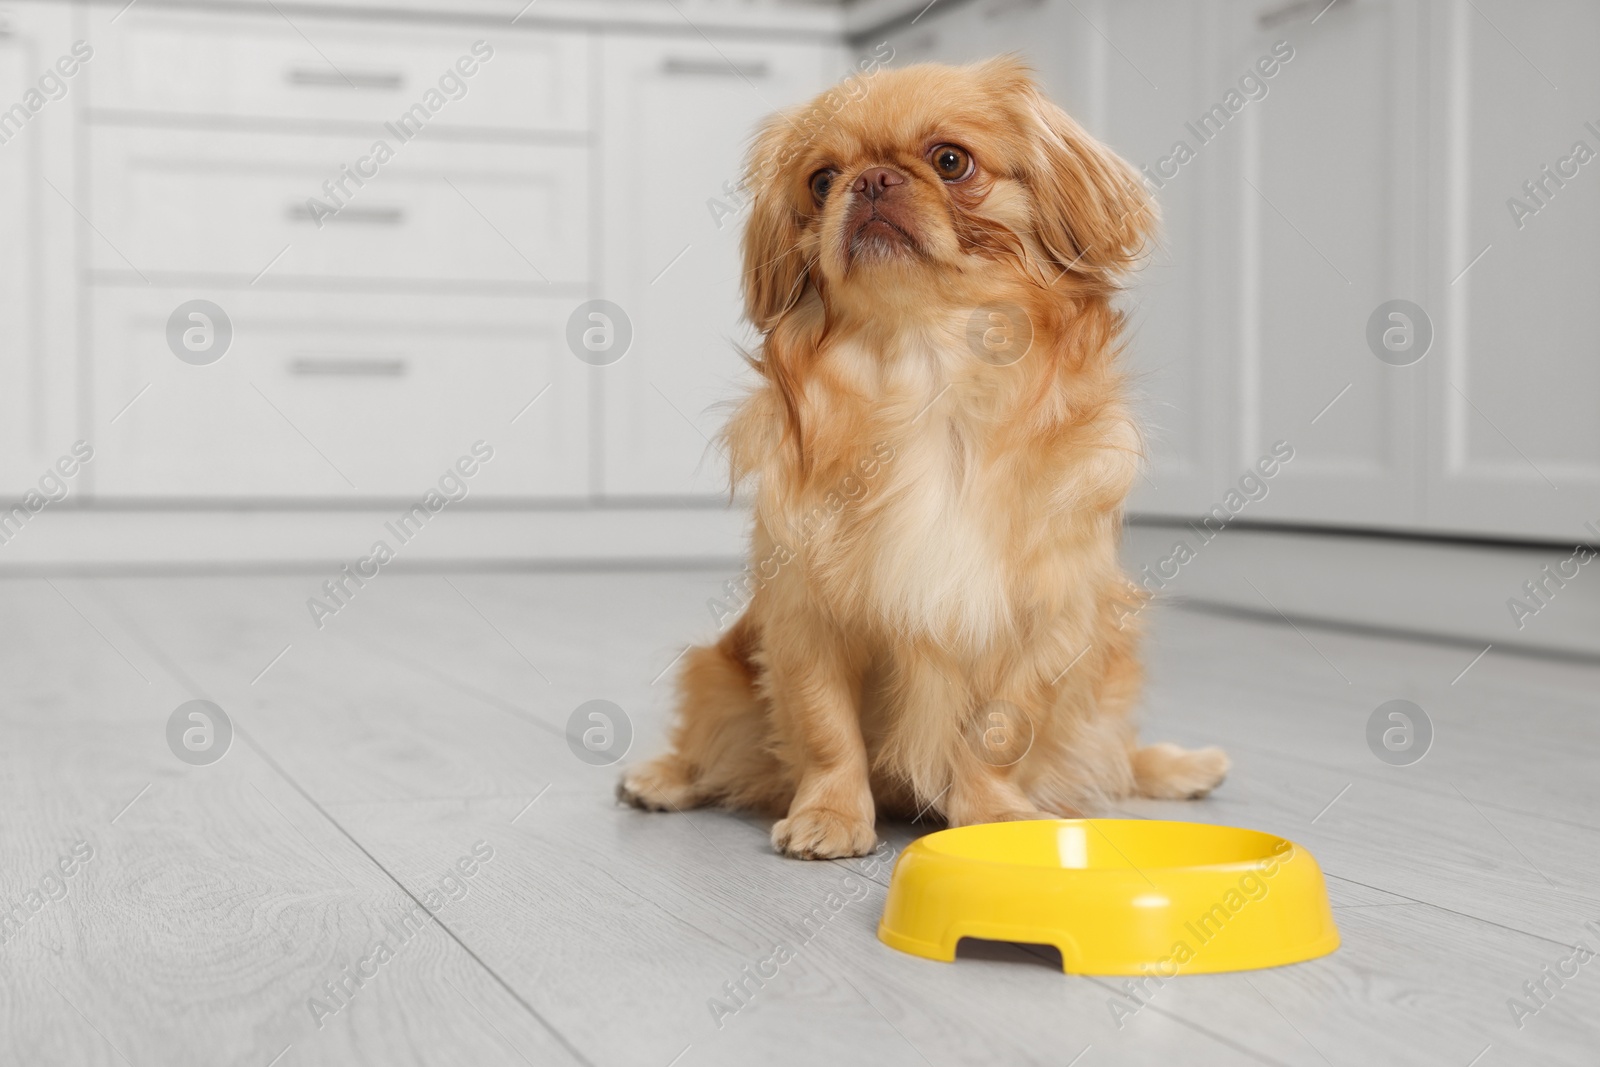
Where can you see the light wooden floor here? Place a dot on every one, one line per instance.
(426, 716)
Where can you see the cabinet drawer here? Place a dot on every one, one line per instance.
(261, 66)
(336, 396)
(183, 201)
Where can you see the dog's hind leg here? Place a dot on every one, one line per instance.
(720, 745)
(1101, 759)
(1164, 771)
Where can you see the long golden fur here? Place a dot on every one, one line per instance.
(939, 622)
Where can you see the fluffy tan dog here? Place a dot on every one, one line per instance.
(939, 449)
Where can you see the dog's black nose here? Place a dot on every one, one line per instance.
(876, 181)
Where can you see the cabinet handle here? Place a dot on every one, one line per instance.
(380, 216)
(348, 367)
(355, 79)
(1287, 12)
(677, 66)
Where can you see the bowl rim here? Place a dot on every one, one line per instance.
(925, 844)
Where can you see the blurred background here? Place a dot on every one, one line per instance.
(279, 266)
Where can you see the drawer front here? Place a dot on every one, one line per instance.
(335, 396)
(253, 66)
(194, 202)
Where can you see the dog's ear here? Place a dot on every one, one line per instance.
(774, 268)
(1095, 217)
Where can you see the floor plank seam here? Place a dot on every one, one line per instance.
(1449, 910)
(464, 688)
(141, 638)
(1369, 631)
(490, 971)
(1378, 778)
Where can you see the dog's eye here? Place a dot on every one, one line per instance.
(953, 162)
(822, 182)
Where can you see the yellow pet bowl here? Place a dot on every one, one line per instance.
(1115, 896)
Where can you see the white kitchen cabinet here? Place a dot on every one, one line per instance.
(371, 346)
(677, 116)
(602, 161)
(1513, 390)
(38, 300)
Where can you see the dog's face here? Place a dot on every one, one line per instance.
(932, 182)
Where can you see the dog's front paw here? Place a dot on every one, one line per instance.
(660, 785)
(820, 834)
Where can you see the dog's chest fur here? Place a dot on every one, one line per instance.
(927, 541)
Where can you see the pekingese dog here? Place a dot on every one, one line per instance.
(939, 449)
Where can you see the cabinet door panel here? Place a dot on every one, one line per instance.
(1514, 391)
(1048, 35)
(38, 300)
(1326, 198)
(1151, 71)
(677, 121)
